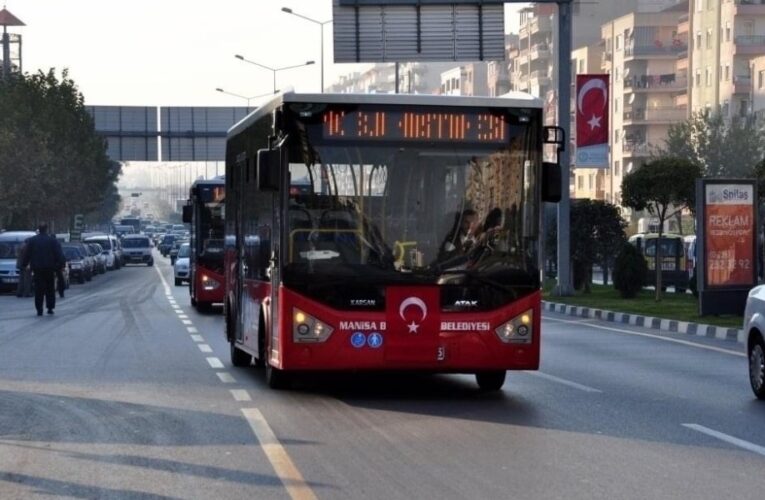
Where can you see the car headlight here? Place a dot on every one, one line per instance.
(208, 283)
(518, 330)
(306, 328)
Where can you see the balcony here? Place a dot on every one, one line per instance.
(634, 149)
(540, 78)
(669, 50)
(742, 84)
(656, 83)
(540, 24)
(658, 115)
(541, 51)
(750, 44)
(683, 24)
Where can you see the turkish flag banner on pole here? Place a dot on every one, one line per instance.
(592, 124)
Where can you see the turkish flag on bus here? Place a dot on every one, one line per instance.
(591, 110)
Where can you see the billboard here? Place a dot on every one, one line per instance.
(592, 127)
(728, 262)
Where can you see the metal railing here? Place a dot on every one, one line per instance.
(666, 81)
(673, 48)
(750, 40)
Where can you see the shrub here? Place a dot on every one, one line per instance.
(630, 272)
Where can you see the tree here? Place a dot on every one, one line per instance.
(599, 230)
(52, 163)
(722, 147)
(663, 187)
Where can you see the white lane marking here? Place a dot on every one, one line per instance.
(204, 348)
(240, 395)
(192, 329)
(226, 377)
(181, 315)
(197, 338)
(754, 448)
(562, 381)
(288, 473)
(186, 322)
(214, 363)
(658, 337)
(165, 284)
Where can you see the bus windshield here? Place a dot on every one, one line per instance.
(413, 212)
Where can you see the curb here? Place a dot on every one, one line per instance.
(665, 325)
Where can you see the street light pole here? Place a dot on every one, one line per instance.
(248, 99)
(269, 68)
(321, 26)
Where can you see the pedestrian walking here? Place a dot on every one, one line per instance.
(45, 257)
(24, 288)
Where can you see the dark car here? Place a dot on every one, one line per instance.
(76, 262)
(88, 261)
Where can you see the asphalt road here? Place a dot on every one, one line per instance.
(128, 393)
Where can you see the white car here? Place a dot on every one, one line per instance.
(754, 326)
(182, 263)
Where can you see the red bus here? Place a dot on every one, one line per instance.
(387, 232)
(204, 211)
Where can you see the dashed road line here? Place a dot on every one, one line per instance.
(226, 377)
(204, 348)
(197, 338)
(563, 381)
(746, 445)
(285, 469)
(649, 335)
(186, 322)
(214, 362)
(240, 395)
(181, 315)
(192, 329)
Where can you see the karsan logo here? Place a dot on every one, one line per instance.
(729, 194)
(363, 302)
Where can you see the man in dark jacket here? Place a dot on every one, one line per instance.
(44, 256)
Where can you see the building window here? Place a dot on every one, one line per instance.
(760, 78)
(616, 135)
(580, 181)
(581, 66)
(616, 74)
(616, 105)
(709, 38)
(727, 31)
(727, 72)
(708, 76)
(698, 77)
(698, 40)
(617, 168)
(699, 5)
(618, 42)
(592, 182)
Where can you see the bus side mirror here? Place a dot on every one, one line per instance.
(551, 182)
(186, 214)
(269, 168)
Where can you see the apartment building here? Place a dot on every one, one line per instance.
(467, 80)
(726, 36)
(644, 54)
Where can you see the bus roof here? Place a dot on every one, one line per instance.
(509, 100)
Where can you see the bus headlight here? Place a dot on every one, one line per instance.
(208, 283)
(518, 330)
(306, 328)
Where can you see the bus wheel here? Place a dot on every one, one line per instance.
(490, 381)
(204, 307)
(239, 357)
(276, 378)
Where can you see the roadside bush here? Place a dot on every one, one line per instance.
(630, 271)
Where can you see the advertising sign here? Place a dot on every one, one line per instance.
(730, 235)
(592, 121)
(727, 267)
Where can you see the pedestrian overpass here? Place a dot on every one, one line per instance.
(167, 134)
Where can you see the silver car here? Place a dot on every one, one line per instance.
(10, 245)
(754, 327)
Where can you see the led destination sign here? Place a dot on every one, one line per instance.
(394, 125)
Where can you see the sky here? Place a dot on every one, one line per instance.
(177, 52)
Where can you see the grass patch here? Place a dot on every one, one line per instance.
(680, 307)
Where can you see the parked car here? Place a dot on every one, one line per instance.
(166, 244)
(138, 249)
(182, 263)
(674, 271)
(98, 255)
(173, 253)
(76, 263)
(88, 261)
(109, 245)
(754, 328)
(10, 245)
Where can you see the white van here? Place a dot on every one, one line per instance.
(10, 245)
(109, 244)
(136, 249)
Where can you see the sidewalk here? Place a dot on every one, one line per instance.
(666, 325)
